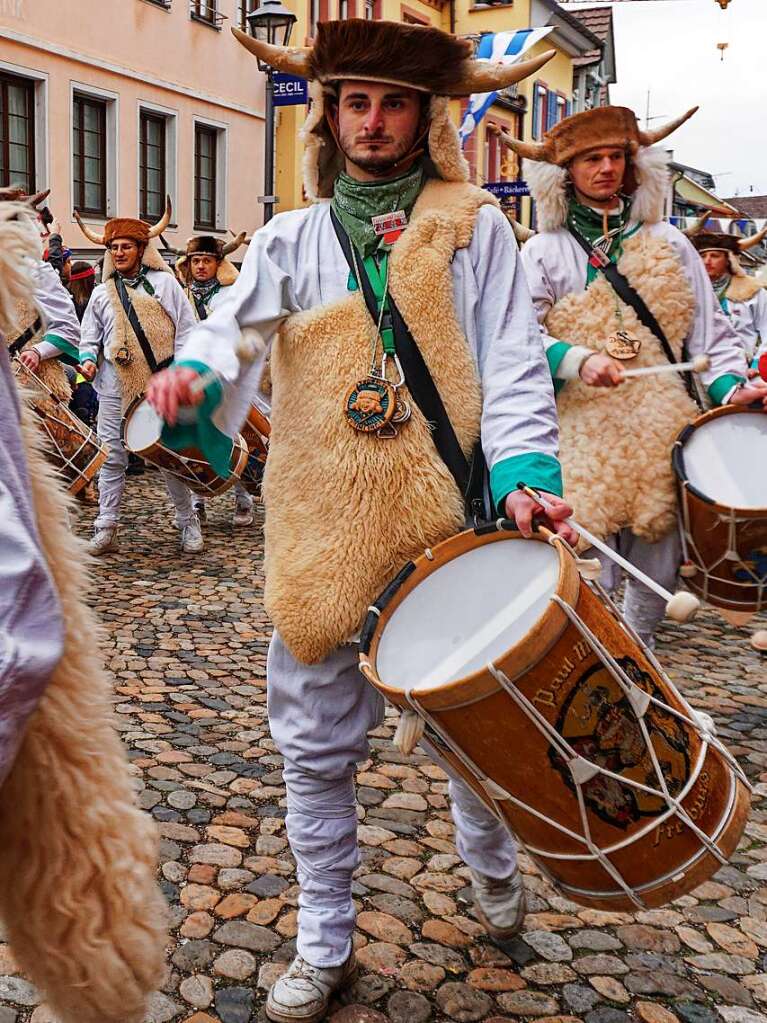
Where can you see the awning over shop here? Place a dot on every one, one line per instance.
(690, 191)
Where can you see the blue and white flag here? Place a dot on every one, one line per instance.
(503, 48)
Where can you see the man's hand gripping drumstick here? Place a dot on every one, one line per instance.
(182, 387)
(523, 506)
(681, 606)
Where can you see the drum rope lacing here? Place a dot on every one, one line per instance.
(583, 770)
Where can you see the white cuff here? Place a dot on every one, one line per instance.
(728, 396)
(46, 350)
(570, 366)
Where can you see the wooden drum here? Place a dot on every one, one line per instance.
(73, 447)
(537, 694)
(255, 431)
(142, 434)
(719, 463)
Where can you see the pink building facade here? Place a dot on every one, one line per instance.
(115, 103)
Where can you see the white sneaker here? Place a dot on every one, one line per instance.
(191, 536)
(104, 540)
(243, 514)
(500, 905)
(303, 992)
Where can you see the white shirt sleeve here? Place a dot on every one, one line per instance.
(758, 307)
(92, 328)
(58, 310)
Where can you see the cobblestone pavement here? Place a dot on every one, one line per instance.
(187, 641)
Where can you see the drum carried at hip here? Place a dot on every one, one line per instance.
(73, 447)
(532, 688)
(141, 433)
(719, 463)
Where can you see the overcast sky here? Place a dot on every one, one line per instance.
(669, 47)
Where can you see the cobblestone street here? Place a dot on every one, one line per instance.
(186, 642)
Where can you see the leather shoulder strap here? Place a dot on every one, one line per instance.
(137, 329)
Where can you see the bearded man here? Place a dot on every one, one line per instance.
(613, 285)
(350, 498)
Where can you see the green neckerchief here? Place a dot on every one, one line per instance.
(588, 223)
(357, 202)
(139, 279)
(720, 286)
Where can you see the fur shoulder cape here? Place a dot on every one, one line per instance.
(743, 289)
(374, 503)
(616, 443)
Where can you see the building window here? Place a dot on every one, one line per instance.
(17, 132)
(370, 9)
(153, 163)
(244, 8)
(343, 10)
(207, 11)
(205, 178)
(89, 150)
(540, 97)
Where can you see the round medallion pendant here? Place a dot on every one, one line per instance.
(623, 346)
(122, 356)
(370, 404)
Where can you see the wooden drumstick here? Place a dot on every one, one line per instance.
(697, 365)
(247, 349)
(681, 606)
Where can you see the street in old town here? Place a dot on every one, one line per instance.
(186, 639)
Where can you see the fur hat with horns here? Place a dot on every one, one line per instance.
(716, 241)
(206, 244)
(137, 230)
(414, 56)
(546, 162)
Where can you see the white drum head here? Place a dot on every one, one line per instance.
(142, 428)
(725, 458)
(467, 613)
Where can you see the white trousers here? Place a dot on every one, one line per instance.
(241, 497)
(642, 608)
(319, 716)
(111, 478)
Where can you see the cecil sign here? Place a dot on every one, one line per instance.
(289, 90)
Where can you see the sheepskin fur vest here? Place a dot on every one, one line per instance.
(616, 443)
(51, 372)
(125, 351)
(346, 509)
(742, 288)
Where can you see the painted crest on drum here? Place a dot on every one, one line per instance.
(600, 724)
(754, 567)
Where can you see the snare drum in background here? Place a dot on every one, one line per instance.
(255, 431)
(141, 433)
(720, 462)
(538, 695)
(73, 447)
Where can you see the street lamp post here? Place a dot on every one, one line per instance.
(272, 23)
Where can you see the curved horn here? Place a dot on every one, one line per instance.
(530, 150)
(521, 233)
(697, 227)
(35, 200)
(236, 242)
(748, 243)
(649, 138)
(483, 76)
(292, 59)
(164, 220)
(97, 239)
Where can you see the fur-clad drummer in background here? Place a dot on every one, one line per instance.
(136, 280)
(742, 298)
(47, 324)
(354, 484)
(596, 178)
(206, 274)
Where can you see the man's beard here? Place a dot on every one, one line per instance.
(379, 164)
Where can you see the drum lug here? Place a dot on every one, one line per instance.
(582, 770)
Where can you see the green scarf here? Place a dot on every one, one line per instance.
(589, 223)
(357, 202)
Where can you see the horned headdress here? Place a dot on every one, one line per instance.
(718, 241)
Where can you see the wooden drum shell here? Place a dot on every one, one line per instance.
(661, 858)
(256, 431)
(706, 527)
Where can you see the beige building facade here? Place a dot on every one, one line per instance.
(115, 103)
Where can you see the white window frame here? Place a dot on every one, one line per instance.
(42, 135)
(222, 169)
(112, 100)
(170, 117)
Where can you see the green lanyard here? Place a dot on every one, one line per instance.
(378, 276)
(721, 294)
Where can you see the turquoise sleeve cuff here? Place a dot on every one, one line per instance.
(722, 385)
(202, 434)
(536, 470)
(554, 355)
(63, 346)
(86, 357)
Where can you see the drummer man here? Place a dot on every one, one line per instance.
(345, 509)
(599, 190)
(743, 299)
(135, 321)
(206, 274)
